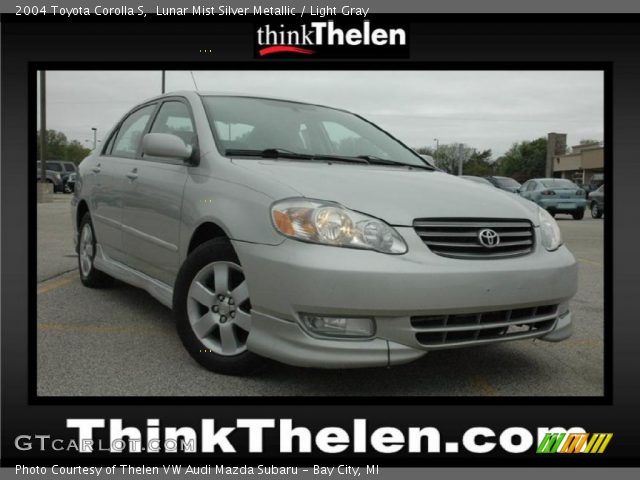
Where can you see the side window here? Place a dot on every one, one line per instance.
(174, 118)
(130, 133)
(55, 167)
(531, 187)
(109, 146)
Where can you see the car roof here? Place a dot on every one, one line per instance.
(193, 94)
(551, 178)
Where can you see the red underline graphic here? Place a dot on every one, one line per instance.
(284, 48)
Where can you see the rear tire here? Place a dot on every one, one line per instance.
(212, 309)
(596, 212)
(89, 275)
(578, 214)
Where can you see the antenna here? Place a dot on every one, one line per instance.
(194, 80)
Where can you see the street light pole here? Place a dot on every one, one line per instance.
(460, 159)
(95, 137)
(163, 81)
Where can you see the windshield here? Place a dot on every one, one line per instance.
(257, 124)
(507, 182)
(558, 183)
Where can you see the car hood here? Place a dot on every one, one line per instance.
(396, 195)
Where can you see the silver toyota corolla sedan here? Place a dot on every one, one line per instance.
(309, 235)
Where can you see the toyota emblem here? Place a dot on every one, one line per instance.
(488, 238)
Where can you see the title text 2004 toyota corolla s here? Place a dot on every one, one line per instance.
(308, 235)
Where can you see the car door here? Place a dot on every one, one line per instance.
(108, 175)
(535, 190)
(524, 190)
(153, 203)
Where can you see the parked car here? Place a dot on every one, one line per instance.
(596, 202)
(63, 167)
(310, 236)
(70, 184)
(556, 195)
(505, 183)
(480, 180)
(51, 177)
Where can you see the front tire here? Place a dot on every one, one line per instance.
(213, 311)
(89, 276)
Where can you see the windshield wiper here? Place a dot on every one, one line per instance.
(284, 153)
(383, 161)
(268, 153)
(340, 158)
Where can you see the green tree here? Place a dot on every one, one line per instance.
(524, 160)
(479, 164)
(475, 162)
(76, 152)
(60, 148)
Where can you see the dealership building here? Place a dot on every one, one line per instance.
(583, 165)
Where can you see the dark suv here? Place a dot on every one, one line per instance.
(63, 167)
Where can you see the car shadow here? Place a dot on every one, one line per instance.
(477, 371)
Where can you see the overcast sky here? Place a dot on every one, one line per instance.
(479, 108)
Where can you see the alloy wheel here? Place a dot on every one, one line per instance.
(219, 309)
(85, 250)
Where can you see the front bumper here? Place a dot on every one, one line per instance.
(296, 277)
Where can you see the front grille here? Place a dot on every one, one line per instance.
(447, 331)
(460, 237)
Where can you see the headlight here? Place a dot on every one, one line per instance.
(331, 224)
(551, 237)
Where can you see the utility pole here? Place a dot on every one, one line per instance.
(163, 81)
(460, 159)
(43, 127)
(95, 137)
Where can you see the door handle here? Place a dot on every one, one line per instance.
(96, 169)
(133, 174)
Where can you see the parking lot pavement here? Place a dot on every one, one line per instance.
(120, 341)
(55, 240)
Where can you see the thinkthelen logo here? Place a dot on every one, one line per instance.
(328, 39)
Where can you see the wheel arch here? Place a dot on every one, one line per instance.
(207, 230)
(81, 209)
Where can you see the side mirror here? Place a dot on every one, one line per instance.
(165, 145)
